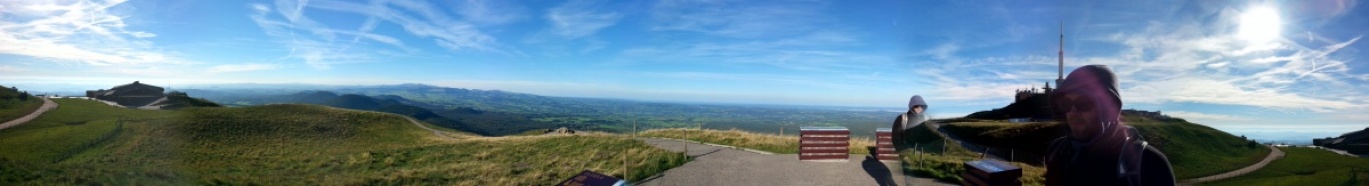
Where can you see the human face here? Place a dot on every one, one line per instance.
(917, 110)
(1082, 115)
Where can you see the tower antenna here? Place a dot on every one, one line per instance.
(1060, 75)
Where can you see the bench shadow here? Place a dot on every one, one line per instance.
(877, 169)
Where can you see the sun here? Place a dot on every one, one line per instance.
(1260, 24)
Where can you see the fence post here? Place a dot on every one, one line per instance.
(685, 142)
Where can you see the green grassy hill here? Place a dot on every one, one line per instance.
(1193, 150)
(15, 104)
(85, 142)
(1307, 166)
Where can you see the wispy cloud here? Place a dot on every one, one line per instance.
(85, 31)
(244, 67)
(1206, 117)
(490, 12)
(823, 51)
(321, 45)
(576, 19)
(738, 18)
(1175, 62)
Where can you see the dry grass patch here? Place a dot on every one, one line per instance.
(782, 144)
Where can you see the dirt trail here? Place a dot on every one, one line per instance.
(1274, 154)
(47, 105)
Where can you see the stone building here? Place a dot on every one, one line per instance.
(134, 94)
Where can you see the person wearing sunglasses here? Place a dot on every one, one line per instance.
(1099, 149)
(915, 115)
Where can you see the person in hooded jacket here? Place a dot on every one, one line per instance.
(1099, 149)
(915, 116)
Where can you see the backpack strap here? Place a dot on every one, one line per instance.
(904, 118)
(1133, 150)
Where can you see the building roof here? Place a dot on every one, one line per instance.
(133, 85)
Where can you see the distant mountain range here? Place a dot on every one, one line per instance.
(495, 112)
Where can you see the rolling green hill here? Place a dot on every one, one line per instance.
(387, 104)
(1193, 150)
(15, 104)
(85, 142)
(1307, 166)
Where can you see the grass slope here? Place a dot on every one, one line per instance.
(782, 144)
(85, 142)
(1307, 166)
(939, 158)
(15, 104)
(1193, 150)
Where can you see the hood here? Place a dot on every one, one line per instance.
(1094, 81)
(915, 101)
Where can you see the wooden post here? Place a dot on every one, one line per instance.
(781, 130)
(626, 168)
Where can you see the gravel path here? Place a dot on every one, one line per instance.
(47, 105)
(1273, 155)
(436, 132)
(714, 165)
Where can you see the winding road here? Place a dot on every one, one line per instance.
(47, 105)
(1274, 154)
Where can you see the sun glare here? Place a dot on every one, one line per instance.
(1260, 24)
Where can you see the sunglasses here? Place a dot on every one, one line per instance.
(1073, 102)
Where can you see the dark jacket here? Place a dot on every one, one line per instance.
(1134, 164)
(900, 126)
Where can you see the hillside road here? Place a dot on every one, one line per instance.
(47, 105)
(1274, 154)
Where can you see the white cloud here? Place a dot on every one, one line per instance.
(575, 19)
(11, 69)
(321, 45)
(819, 51)
(245, 67)
(1205, 117)
(738, 18)
(491, 12)
(83, 31)
(1181, 61)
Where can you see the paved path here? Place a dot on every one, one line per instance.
(714, 165)
(47, 105)
(1274, 154)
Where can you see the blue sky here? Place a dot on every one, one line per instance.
(1214, 62)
